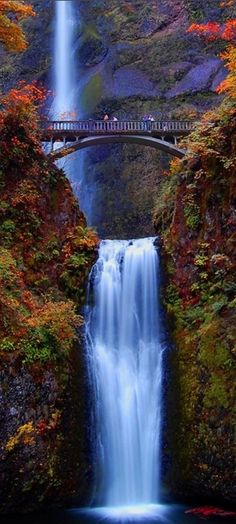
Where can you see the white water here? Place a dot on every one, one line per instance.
(68, 84)
(64, 105)
(125, 360)
(124, 349)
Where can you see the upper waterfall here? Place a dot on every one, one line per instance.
(64, 67)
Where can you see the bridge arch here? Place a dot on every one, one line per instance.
(81, 143)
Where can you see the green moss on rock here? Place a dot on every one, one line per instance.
(197, 234)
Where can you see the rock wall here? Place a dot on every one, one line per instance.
(44, 435)
(131, 58)
(195, 216)
(135, 58)
(139, 59)
(46, 252)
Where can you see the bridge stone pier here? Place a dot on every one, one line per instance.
(70, 136)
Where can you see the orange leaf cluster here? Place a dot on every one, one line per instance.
(11, 34)
(227, 32)
(229, 84)
(214, 31)
(59, 319)
(20, 108)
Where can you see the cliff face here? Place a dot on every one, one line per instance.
(195, 215)
(142, 56)
(139, 59)
(46, 252)
(134, 58)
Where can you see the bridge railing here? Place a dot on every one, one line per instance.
(97, 126)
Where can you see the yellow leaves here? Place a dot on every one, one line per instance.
(86, 239)
(229, 84)
(176, 165)
(11, 34)
(60, 320)
(24, 435)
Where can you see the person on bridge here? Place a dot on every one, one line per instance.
(144, 123)
(106, 118)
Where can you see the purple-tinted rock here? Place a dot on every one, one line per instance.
(220, 76)
(130, 81)
(197, 79)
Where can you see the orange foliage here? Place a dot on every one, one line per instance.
(229, 84)
(212, 30)
(60, 320)
(227, 32)
(11, 34)
(19, 122)
(38, 218)
(24, 100)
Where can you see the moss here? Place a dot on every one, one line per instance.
(198, 295)
(92, 94)
(216, 394)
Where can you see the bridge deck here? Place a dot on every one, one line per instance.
(71, 130)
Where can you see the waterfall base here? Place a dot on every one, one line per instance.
(148, 512)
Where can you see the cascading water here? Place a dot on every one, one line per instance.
(68, 84)
(124, 347)
(64, 68)
(125, 362)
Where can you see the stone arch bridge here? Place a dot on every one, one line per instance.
(73, 135)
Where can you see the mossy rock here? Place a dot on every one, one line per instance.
(92, 50)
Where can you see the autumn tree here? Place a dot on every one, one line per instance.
(12, 12)
(226, 32)
(19, 116)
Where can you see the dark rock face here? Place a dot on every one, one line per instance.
(196, 218)
(199, 78)
(151, 66)
(46, 252)
(135, 58)
(44, 455)
(150, 38)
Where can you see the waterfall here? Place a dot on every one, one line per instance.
(125, 361)
(68, 83)
(64, 67)
(124, 349)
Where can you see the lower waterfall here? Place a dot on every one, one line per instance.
(124, 353)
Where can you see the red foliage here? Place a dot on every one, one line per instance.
(211, 30)
(214, 31)
(22, 103)
(210, 511)
(226, 32)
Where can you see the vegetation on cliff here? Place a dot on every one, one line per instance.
(46, 252)
(46, 249)
(197, 223)
(11, 33)
(195, 215)
(140, 60)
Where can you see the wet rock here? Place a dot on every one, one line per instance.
(130, 81)
(13, 412)
(198, 78)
